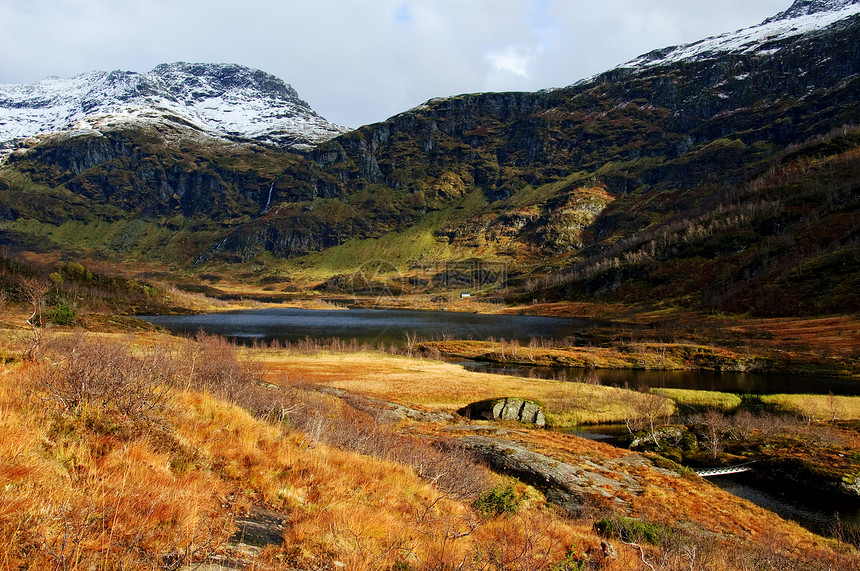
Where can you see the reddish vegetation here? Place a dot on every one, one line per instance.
(102, 482)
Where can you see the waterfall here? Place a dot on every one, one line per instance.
(268, 200)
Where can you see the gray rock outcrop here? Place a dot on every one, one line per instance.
(510, 408)
(566, 485)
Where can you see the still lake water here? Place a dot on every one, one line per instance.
(816, 515)
(375, 326)
(372, 326)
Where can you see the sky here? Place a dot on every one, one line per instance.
(361, 61)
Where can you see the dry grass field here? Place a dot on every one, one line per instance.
(817, 407)
(444, 386)
(132, 449)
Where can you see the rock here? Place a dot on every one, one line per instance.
(260, 527)
(850, 485)
(608, 550)
(567, 486)
(669, 435)
(511, 408)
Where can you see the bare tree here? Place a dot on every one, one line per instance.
(411, 342)
(833, 404)
(643, 410)
(714, 428)
(34, 291)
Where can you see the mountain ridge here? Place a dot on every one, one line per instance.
(807, 7)
(803, 17)
(221, 100)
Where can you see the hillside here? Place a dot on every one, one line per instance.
(178, 453)
(726, 168)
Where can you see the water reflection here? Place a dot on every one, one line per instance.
(371, 326)
(818, 516)
(738, 383)
(377, 326)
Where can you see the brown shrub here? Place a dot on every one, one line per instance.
(450, 466)
(94, 375)
(213, 364)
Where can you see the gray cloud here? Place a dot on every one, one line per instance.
(361, 61)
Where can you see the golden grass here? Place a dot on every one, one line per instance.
(633, 355)
(572, 309)
(77, 494)
(704, 399)
(86, 499)
(826, 335)
(817, 407)
(445, 386)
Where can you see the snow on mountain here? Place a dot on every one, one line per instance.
(221, 100)
(804, 16)
(806, 7)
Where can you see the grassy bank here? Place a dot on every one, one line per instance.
(644, 355)
(444, 386)
(828, 408)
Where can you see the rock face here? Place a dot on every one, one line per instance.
(566, 485)
(511, 408)
(665, 105)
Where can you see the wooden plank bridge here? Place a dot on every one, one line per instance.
(725, 471)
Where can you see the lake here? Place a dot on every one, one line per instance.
(389, 326)
(371, 326)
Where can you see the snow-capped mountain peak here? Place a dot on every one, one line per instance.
(804, 16)
(808, 7)
(222, 100)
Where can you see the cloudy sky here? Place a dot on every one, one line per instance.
(361, 61)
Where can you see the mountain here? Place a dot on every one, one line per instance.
(228, 101)
(718, 175)
(803, 17)
(184, 140)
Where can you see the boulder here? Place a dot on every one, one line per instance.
(510, 408)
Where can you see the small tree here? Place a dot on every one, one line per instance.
(834, 406)
(714, 426)
(34, 290)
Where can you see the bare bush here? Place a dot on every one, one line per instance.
(72, 531)
(411, 342)
(643, 410)
(95, 373)
(743, 423)
(714, 428)
(213, 364)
